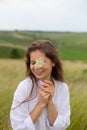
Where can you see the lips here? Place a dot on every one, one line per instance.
(38, 73)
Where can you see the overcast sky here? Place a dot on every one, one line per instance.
(45, 15)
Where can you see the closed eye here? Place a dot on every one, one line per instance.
(32, 62)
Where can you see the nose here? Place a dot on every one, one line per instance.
(38, 67)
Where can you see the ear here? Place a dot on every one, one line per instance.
(53, 65)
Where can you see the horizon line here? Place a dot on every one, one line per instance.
(54, 31)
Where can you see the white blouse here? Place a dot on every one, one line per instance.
(20, 118)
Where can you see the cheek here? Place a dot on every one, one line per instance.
(48, 68)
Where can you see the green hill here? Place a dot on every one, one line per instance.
(71, 46)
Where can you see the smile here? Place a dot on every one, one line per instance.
(38, 72)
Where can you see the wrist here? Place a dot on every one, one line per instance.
(41, 105)
(50, 102)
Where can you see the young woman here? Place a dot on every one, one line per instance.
(41, 101)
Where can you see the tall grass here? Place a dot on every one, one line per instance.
(11, 72)
(76, 76)
(75, 73)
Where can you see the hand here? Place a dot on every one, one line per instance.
(48, 87)
(44, 98)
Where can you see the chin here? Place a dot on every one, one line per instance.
(40, 78)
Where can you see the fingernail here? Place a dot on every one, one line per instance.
(45, 80)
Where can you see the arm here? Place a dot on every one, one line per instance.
(59, 108)
(39, 107)
(48, 87)
(19, 114)
(52, 112)
(20, 117)
(63, 119)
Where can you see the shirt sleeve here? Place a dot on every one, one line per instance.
(19, 114)
(63, 119)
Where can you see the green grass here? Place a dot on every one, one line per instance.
(71, 46)
(11, 52)
(73, 53)
(75, 73)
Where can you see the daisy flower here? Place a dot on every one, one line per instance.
(39, 62)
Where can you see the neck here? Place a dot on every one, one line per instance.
(48, 78)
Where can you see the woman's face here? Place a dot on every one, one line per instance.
(40, 65)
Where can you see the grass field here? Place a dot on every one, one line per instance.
(71, 46)
(73, 50)
(75, 73)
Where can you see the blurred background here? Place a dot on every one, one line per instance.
(64, 22)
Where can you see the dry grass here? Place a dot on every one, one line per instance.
(13, 71)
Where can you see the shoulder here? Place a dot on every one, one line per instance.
(25, 84)
(62, 86)
(62, 90)
(23, 89)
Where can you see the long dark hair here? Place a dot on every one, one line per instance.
(48, 48)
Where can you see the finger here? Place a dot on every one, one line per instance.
(46, 89)
(49, 91)
(45, 85)
(48, 82)
(46, 96)
(43, 93)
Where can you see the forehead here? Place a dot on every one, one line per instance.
(37, 54)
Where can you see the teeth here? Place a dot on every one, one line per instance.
(38, 73)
